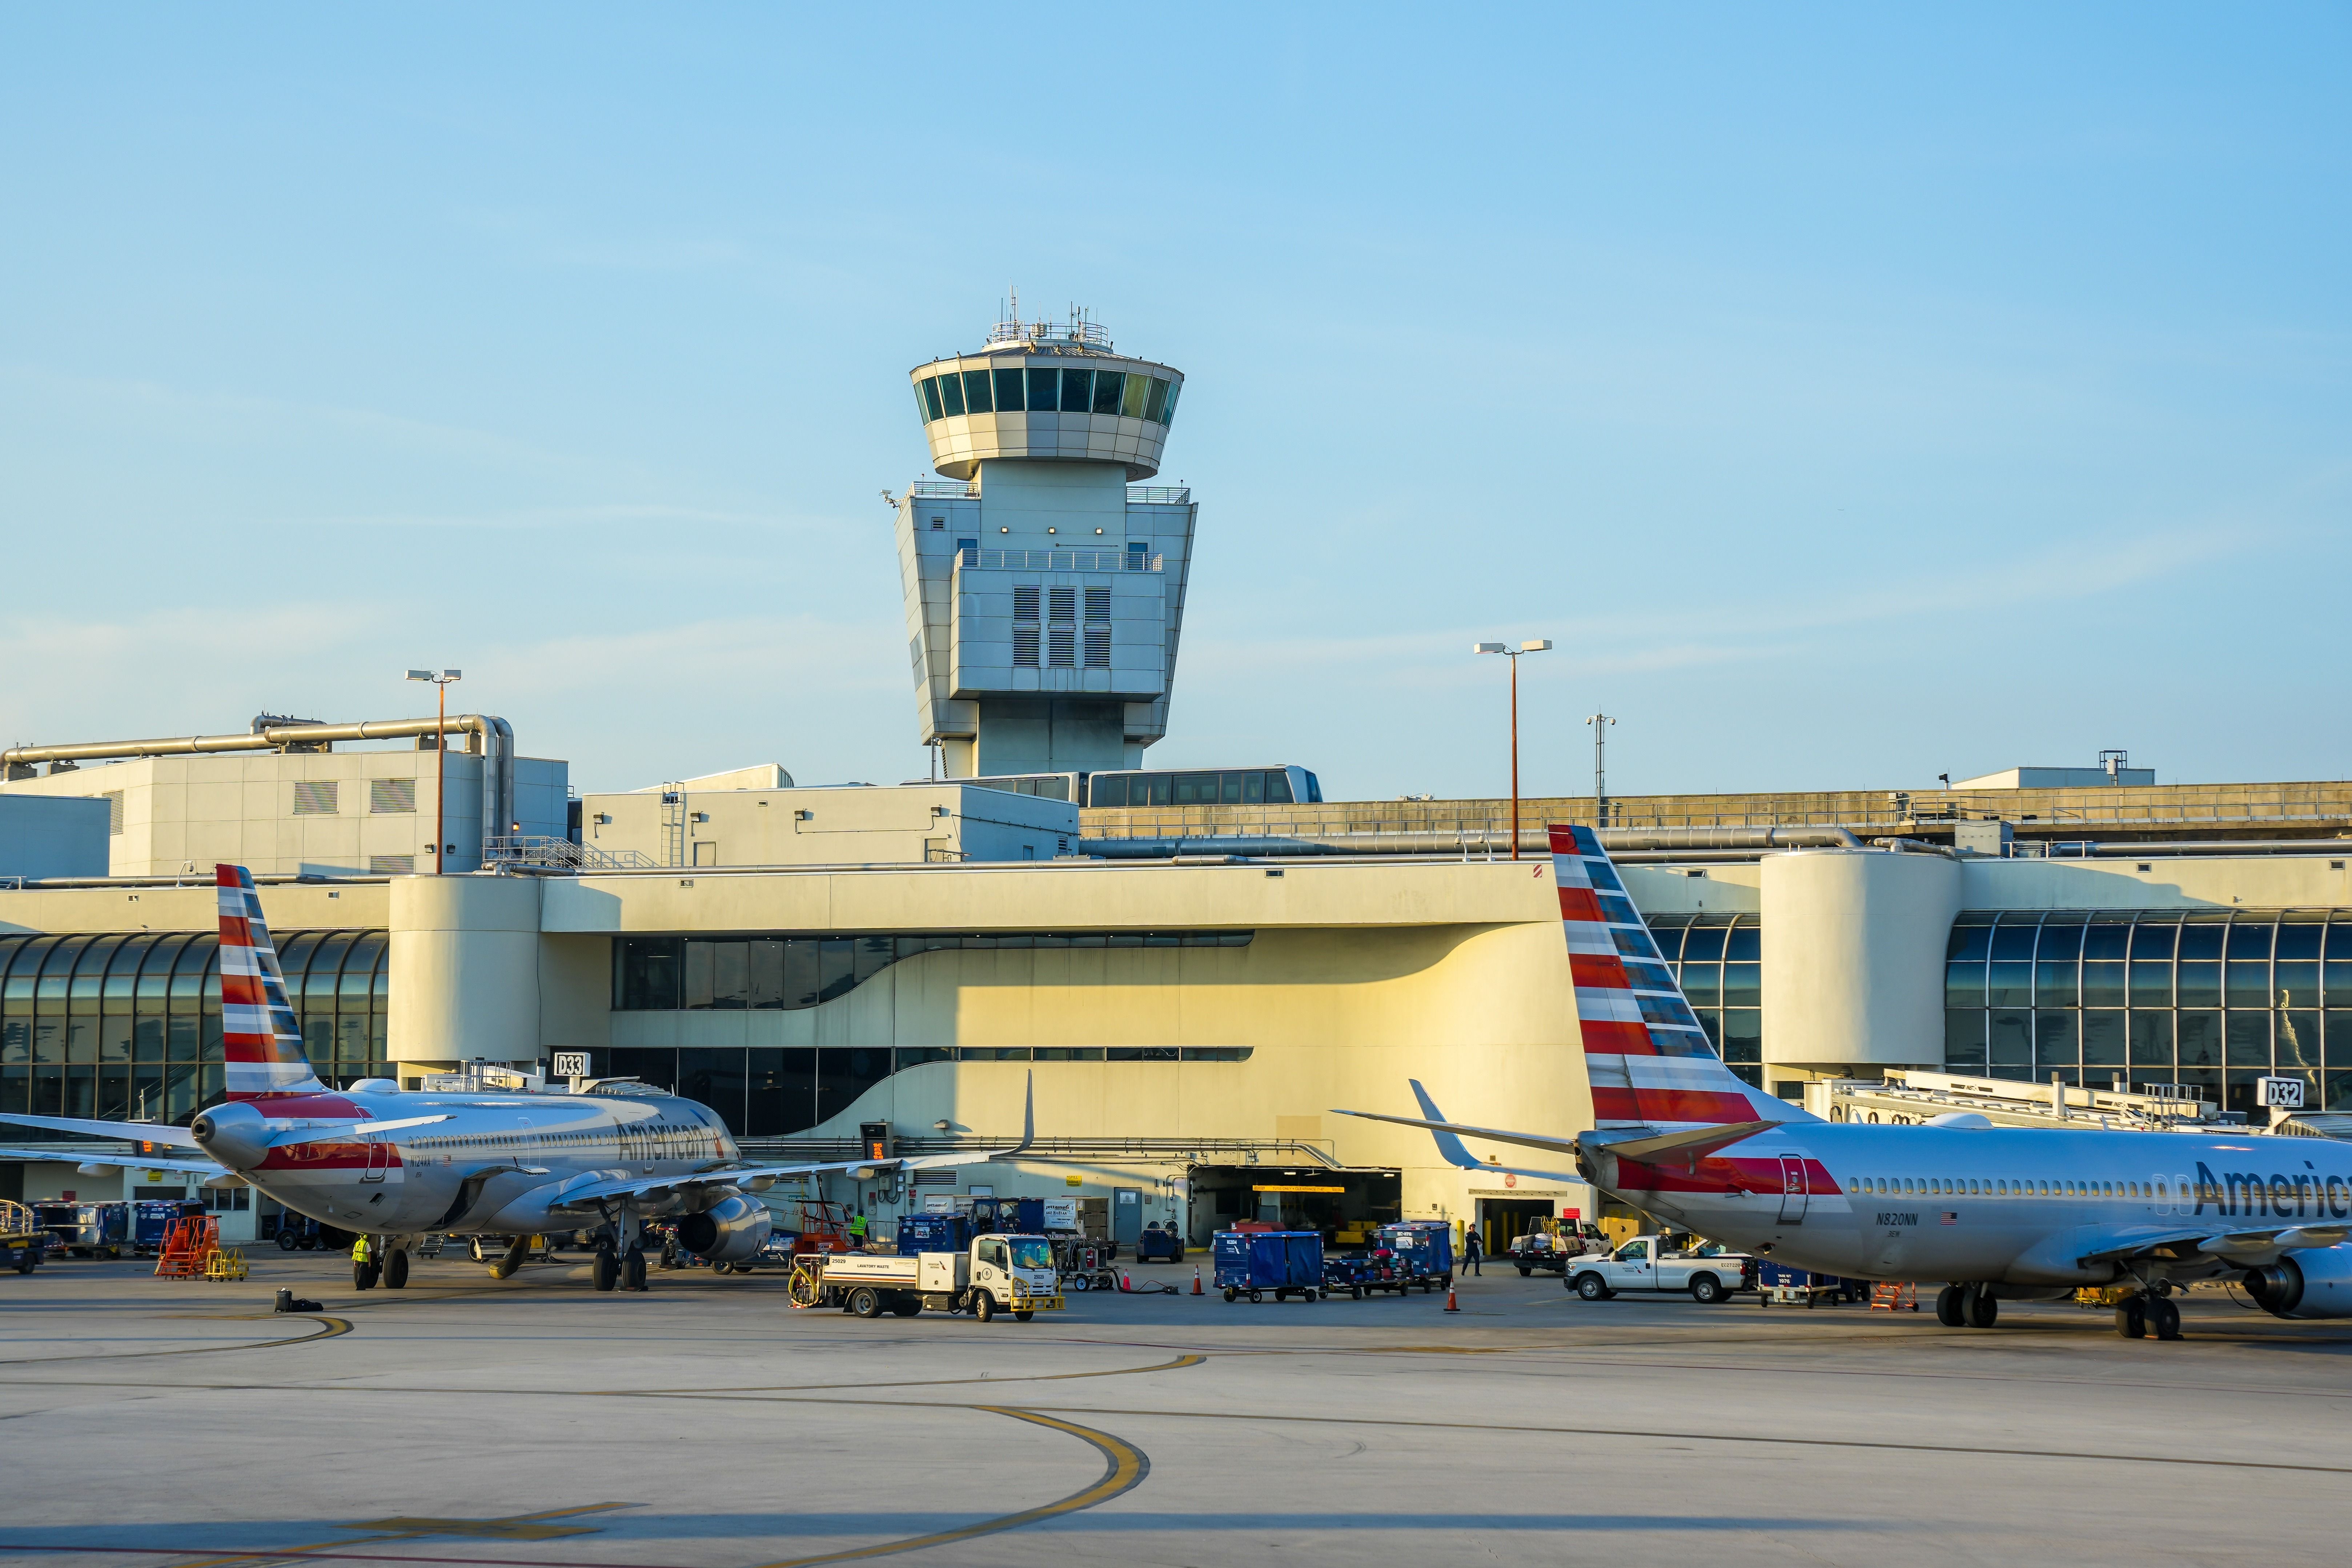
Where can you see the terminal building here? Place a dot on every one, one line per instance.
(1192, 979)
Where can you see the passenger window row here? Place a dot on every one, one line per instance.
(1123, 393)
(2005, 1187)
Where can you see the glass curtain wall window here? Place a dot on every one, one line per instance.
(129, 1024)
(777, 1091)
(2213, 999)
(1718, 962)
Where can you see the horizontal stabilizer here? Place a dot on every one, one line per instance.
(1690, 1144)
(137, 1132)
(1451, 1149)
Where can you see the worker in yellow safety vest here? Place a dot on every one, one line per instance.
(858, 1230)
(360, 1251)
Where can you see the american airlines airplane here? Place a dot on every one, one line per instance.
(2001, 1214)
(393, 1166)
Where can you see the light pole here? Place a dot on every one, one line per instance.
(440, 680)
(1539, 646)
(1601, 722)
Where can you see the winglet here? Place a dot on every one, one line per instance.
(1450, 1147)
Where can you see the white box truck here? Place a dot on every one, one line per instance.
(999, 1273)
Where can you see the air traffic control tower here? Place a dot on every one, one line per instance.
(1045, 587)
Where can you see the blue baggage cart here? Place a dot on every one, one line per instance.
(1424, 1251)
(1777, 1284)
(151, 1216)
(1252, 1262)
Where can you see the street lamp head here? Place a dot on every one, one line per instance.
(1541, 645)
(453, 675)
(420, 675)
(1488, 648)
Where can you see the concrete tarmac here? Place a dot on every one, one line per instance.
(705, 1423)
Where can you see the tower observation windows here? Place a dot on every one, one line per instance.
(1124, 394)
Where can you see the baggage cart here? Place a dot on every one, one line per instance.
(1778, 1284)
(1425, 1252)
(1348, 1274)
(1286, 1262)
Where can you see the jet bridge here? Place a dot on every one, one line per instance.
(1913, 1096)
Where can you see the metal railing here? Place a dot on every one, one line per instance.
(944, 489)
(1060, 561)
(1159, 495)
(1085, 333)
(535, 852)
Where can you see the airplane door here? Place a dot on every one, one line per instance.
(379, 1160)
(1792, 1189)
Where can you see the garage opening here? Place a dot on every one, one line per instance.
(1344, 1205)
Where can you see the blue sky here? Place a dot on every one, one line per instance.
(1853, 394)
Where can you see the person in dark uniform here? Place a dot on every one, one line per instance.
(1471, 1248)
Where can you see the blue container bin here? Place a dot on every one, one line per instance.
(933, 1233)
(1252, 1262)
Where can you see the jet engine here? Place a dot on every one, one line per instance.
(2314, 1283)
(235, 1134)
(729, 1231)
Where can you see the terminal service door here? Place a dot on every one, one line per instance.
(1792, 1189)
(1126, 1215)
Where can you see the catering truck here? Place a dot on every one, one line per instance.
(997, 1273)
(1708, 1272)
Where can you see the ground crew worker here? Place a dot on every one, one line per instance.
(361, 1265)
(1471, 1248)
(858, 1230)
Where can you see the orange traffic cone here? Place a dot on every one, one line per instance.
(1450, 1305)
(1196, 1279)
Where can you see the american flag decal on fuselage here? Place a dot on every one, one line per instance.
(260, 1042)
(1648, 1061)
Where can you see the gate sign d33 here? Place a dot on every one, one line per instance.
(574, 1064)
(2281, 1093)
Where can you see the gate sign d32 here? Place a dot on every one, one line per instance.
(571, 1064)
(2281, 1093)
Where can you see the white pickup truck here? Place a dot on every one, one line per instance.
(1710, 1273)
(1000, 1274)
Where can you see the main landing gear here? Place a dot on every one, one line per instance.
(620, 1260)
(2136, 1315)
(1967, 1307)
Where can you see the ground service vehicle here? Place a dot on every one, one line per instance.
(397, 1165)
(87, 1230)
(23, 1239)
(1708, 1273)
(1158, 1246)
(1550, 1251)
(2003, 1214)
(998, 1273)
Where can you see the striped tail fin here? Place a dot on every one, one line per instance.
(1648, 1061)
(258, 1036)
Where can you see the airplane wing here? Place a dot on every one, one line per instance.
(1451, 1149)
(136, 1162)
(139, 1131)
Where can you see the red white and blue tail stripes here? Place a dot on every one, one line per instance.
(1648, 1061)
(259, 1040)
